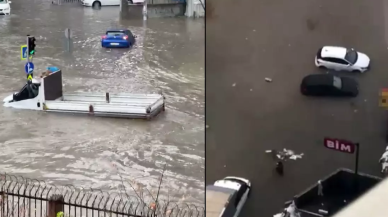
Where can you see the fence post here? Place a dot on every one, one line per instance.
(55, 205)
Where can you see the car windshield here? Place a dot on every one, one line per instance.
(113, 33)
(351, 56)
(3, 1)
(216, 199)
(337, 82)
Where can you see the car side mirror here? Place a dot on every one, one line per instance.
(9, 2)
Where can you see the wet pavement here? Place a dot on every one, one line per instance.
(91, 152)
(251, 40)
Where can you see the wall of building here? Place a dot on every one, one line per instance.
(166, 10)
(195, 9)
(163, 8)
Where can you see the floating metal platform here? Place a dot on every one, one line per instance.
(51, 98)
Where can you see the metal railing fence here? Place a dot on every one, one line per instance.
(23, 197)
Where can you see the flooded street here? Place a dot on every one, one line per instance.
(275, 115)
(94, 152)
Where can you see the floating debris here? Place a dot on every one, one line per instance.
(234, 84)
(285, 154)
(290, 211)
(384, 161)
(268, 79)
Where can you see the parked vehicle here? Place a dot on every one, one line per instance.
(226, 197)
(99, 3)
(342, 59)
(136, 1)
(328, 85)
(5, 7)
(118, 38)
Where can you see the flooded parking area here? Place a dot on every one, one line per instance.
(272, 114)
(102, 152)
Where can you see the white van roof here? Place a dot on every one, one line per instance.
(215, 203)
(216, 200)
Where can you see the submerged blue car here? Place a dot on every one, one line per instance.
(118, 38)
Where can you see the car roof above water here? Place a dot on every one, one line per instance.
(117, 30)
(333, 51)
(318, 79)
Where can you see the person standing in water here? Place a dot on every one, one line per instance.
(279, 167)
(384, 161)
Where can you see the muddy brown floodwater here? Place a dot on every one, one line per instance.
(91, 152)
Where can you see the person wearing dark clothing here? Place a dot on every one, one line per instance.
(279, 167)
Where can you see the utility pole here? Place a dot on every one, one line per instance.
(68, 40)
(160, 184)
(145, 10)
(29, 68)
(28, 47)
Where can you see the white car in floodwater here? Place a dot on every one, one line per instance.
(342, 59)
(226, 197)
(99, 3)
(5, 7)
(136, 1)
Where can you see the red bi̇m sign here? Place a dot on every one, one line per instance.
(340, 145)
